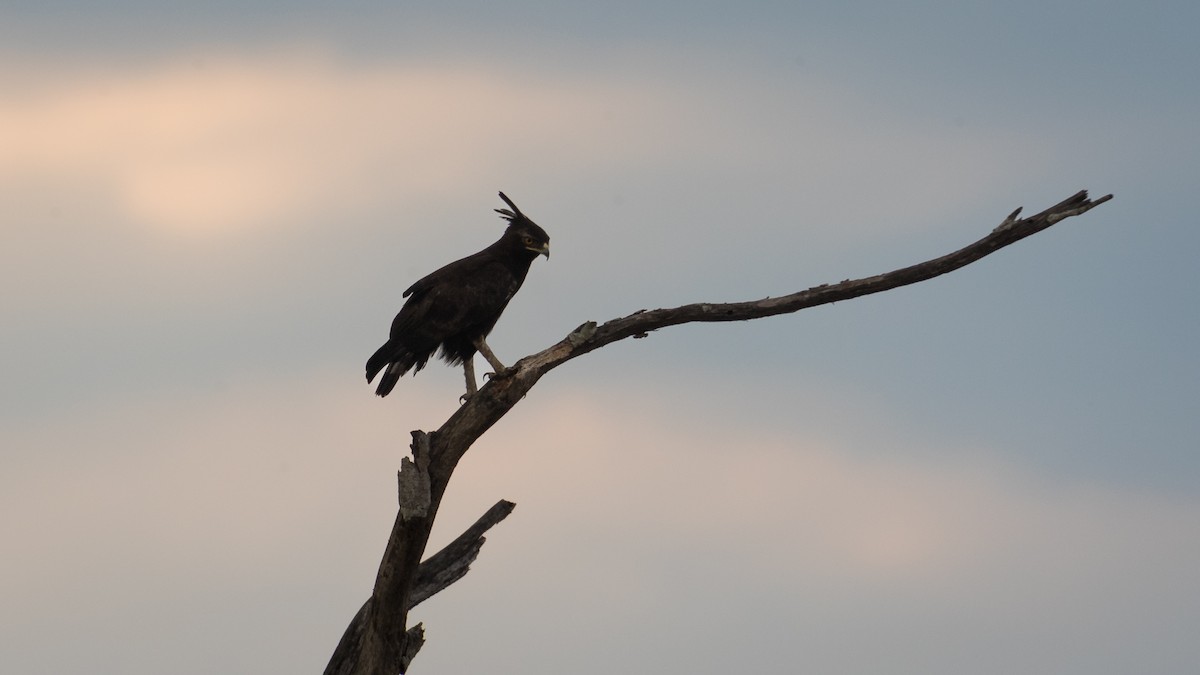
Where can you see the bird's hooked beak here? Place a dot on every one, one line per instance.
(544, 250)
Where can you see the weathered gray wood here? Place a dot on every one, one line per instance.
(377, 641)
(435, 574)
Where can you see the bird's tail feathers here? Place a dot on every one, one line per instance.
(390, 377)
(394, 359)
(379, 359)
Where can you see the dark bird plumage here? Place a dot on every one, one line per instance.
(454, 309)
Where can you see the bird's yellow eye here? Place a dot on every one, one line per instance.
(528, 241)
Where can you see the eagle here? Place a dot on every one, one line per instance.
(454, 308)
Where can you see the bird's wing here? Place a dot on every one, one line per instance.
(432, 311)
(465, 295)
(448, 274)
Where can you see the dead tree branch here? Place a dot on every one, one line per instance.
(439, 571)
(378, 641)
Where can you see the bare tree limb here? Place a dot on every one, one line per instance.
(454, 561)
(377, 642)
(496, 397)
(435, 574)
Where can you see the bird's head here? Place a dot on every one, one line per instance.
(522, 229)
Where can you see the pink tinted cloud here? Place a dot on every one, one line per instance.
(783, 504)
(250, 141)
(292, 482)
(246, 142)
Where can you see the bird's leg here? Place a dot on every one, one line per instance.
(469, 371)
(499, 370)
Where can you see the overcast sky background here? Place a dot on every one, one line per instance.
(209, 212)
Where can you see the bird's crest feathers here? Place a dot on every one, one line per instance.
(514, 214)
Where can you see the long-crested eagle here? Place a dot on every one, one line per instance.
(456, 307)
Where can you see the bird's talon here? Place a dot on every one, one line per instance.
(498, 375)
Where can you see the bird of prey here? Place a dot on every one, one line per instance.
(456, 307)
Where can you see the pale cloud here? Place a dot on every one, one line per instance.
(594, 474)
(291, 483)
(201, 180)
(250, 141)
(816, 503)
(127, 183)
(253, 467)
(667, 524)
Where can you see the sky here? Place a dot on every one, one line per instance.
(209, 212)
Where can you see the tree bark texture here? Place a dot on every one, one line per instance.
(378, 641)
